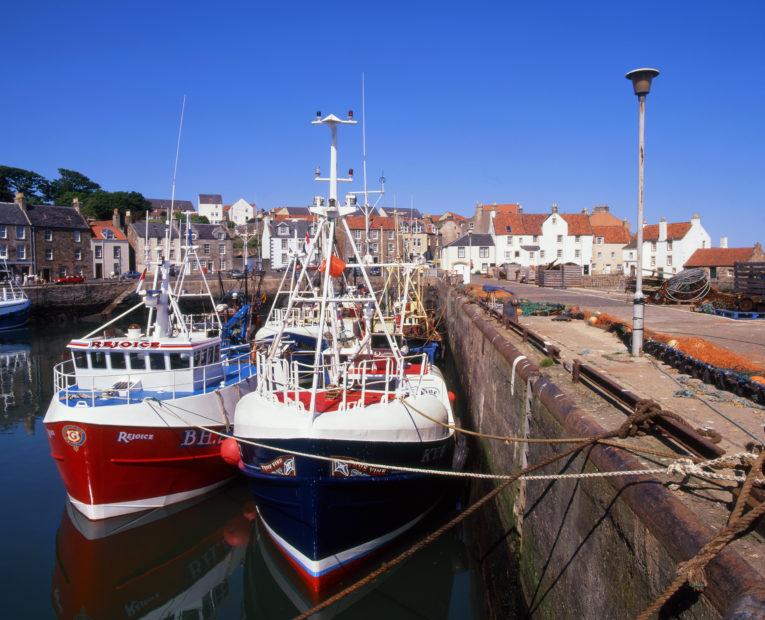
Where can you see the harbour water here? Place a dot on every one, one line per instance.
(210, 559)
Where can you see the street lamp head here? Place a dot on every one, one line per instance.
(641, 80)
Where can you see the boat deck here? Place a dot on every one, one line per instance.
(73, 396)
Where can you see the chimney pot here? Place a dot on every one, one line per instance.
(695, 216)
(21, 200)
(723, 242)
(76, 204)
(554, 208)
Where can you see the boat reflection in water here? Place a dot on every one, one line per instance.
(420, 587)
(170, 563)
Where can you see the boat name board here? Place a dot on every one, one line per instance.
(118, 344)
(282, 466)
(342, 469)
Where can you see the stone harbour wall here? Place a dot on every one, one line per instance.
(597, 548)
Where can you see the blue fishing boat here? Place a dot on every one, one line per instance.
(14, 303)
(323, 436)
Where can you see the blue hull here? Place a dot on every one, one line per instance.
(327, 517)
(15, 316)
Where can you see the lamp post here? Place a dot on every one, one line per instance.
(641, 83)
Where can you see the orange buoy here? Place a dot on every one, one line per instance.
(250, 511)
(336, 266)
(229, 451)
(452, 396)
(236, 532)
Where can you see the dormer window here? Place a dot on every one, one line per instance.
(554, 219)
(108, 234)
(283, 231)
(508, 229)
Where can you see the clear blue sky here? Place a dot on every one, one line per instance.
(466, 102)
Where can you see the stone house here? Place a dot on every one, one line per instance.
(719, 262)
(214, 246)
(110, 248)
(16, 238)
(147, 243)
(451, 226)
(160, 206)
(60, 241)
(608, 248)
(382, 238)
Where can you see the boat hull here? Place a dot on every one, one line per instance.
(161, 458)
(328, 517)
(14, 315)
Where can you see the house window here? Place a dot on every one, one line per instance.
(21, 252)
(613, 254)
(221, 248)
(284, 244)
(374, 234)
(461, 252)
(653, 261)
(221, 236)
(117, 268)
(77, 236)
(3, 251)
(599, 240)
(206, 247)
(578, 238)
(507, 254)
(531, 255)
(669, 260)
(117, 252)
(78, 254)
(559, 254)
(541, 253)
(283, 231)
(535, 238)
(554, 220)
(284, 259)
(222, 264)
(62, 271)
(704, 243)
(373, 248)
(48, 253)
(391, 234)
(483, 252)
(600, 254)
(577, 253)
(357, 234)
(669, 245)
(653, 246)
(21, 232)
(517, 254)
(3, 231)
(48, 235)
(559, 239)
(509, 240)
(108, 234)
(99, 250)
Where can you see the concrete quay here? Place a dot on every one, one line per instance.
(745, 337)
(595, 548)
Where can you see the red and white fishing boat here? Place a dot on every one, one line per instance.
(124, 420)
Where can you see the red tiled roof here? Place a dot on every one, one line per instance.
(578, 223)
(519, 223)
(503, 208)
(286, 218)
(718, 257)
(612, 234)
(604, 218)
(675, 231)
(356, 222)
(97, 228)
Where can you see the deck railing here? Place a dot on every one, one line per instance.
(382, 375)
(127, 387)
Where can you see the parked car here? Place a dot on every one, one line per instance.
(131, 275)
(238, 274)
(69, 280)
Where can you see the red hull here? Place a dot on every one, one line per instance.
(123, 468)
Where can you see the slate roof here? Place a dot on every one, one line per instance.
(296, 227)
(163, 204)
(718, 257)
(210, 199)
(405, 213)
(612, 234)
(208, 231)
(155, 230)
(12, 215)
(52, 216)
(477, 239)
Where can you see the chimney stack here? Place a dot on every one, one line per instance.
(663, 229)
(116, 218)
(723, 242)
(585, 211)
(21, 201)
(696, 217)
(520, 208)
(76, 204)
(554, 208)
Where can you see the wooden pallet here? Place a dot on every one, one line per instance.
(739, 315)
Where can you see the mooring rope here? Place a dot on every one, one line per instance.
(681, 466)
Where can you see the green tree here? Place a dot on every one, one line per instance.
(12, 180)
(195, 217)
(101, 204)
(70, 183)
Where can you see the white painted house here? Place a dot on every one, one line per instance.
(211, 207)
(283, 238)
(530, 239)
(471, 252)
(667, 246)
(241, 212)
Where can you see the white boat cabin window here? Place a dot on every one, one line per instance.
(209, 355)
(80, 359)
(117, 361)
(137, 361)
(97, 359)
(180, 361)
(157, 361)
